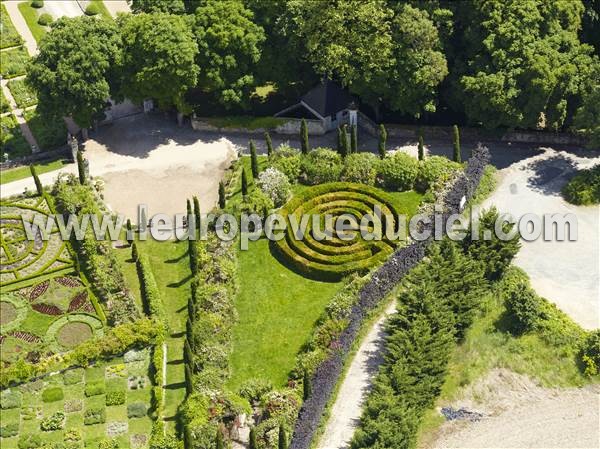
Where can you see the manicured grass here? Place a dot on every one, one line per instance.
(246, 122)
(277, 310)
(31, 17)
(170, 265)
(489, 345)
(13, 62)
(49, 132)
(9, 36)
(14, 174)
(12, 141)
(23, 94)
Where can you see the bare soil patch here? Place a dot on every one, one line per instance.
(8, 312)
(72, 334)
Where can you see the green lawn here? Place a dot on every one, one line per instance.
(277, 311)
(31, 17)
(171, 269)
(14, 174)
(9, 36)
(13, 62)
(23, 94)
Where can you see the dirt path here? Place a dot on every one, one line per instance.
(521, 414)
(346, 411)
(21, 26)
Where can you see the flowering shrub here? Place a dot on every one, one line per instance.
(275, 185)
(53, 422)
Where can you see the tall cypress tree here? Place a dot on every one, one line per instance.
(244, 182)
(304, 137)
(341, 148)
(345, 142)
(36, 180)
(189, 380)
(129, 233)
(269, 144)
(382, 141)
(188, 355)
(281, 440)
(219, 443)
(456, 144)
(252, 442)
(81, 167)
(134, 252)
(306, 385)
(421, 147)
(253, 160)
(354, 139)
(222, 199)
(197, 213)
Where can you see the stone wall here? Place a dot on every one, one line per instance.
(290, 126)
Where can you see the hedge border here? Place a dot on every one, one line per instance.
(381, 283)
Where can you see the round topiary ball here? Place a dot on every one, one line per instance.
(37, 4)
(92, 9)
(45, 19)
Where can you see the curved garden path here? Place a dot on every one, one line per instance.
(345, 412)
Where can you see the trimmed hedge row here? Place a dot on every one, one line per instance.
(149, 289)
(381, 283)
(333, 259)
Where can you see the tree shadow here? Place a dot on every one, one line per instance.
(549, 175)
(177, 334)
(175, 386)
(175, 362)
(181, 282)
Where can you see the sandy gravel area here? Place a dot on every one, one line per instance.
(566, 273)
(521, 414)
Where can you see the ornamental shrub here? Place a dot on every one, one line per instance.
(253, 160)
(137, 410)
(254, 389)
(275, 185)
(381, 147)
(92, 9)
(9, 429)
(53, 394)
(10, 399)
(116, 397)
(30, 441)
(434, 172)
(584, 187)
(269, 144)
(55, 421)
(95, 415)
(45, 19)
(304, 137)
(37, 4)
(244, 182)
(95, 388)
(257, 203)
(398, 171)
(590, 354)
(222, 197)
(320, 166)
(288, 161)
(360, 168)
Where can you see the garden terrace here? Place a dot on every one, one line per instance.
(105, 401)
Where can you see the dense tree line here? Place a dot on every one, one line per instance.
(517, 64)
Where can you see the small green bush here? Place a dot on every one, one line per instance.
(590, 354)
(9, 429)
(10, 399)
(94, 416)
(321, 165)
(73, 376)
(30, 441)
(361, 168)
(398, 171)
(115, 398)
(255, 389)
(137, 410)
(92, 9)
(53, 422)
(95, 388)
(434, 172)
(53, 394)
(37, 4)
(45, 19)
(584, 187)
(288, 161)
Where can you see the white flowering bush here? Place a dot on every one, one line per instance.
(275, 185)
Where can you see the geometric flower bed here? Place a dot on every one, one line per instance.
(51, 316)
(21, 258)
(85, 407)
(334, 258)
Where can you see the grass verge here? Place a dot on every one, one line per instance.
(31, 17)
(14, 174)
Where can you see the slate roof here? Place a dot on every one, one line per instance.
(327, 98)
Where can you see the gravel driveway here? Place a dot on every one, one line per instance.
(566, 273)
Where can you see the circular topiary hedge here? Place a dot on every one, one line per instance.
(37, 4)
(45, 19)
(334, 257)
(92, 9)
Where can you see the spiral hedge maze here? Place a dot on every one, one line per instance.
(20, 258)
(336, 255)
